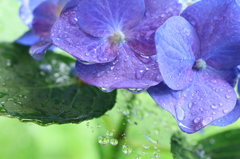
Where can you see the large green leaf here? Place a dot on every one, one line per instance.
(225, 145)
(44, 91)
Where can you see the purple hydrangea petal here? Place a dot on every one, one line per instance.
(198, 105)
(37, 51)
(44, 17)
(27, 38)
(230, 118)
(98, 18)
(141, 38)
(217, 23)
(128, 70)
(230, 76)
(66, 34)
(26, 10)
(238, 2)
(176, 42)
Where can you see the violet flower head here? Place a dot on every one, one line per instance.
(113, 40)
(39, 16)
(197, 53)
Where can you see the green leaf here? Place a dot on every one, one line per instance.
(181, 149)
(225, 145)
(44, 91)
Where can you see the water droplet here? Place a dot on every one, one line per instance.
(196, 120)
(189, 105)
(214, 106)
(207, 120)
(103, 140)
(138, 157)
(109, 133)
(127, 150)
(156, 154)
(228, 96)
(46, 68)
(225, 111)
(220, 104)
(145, 146)
(114, 142)
(85, 62)
(180, 113)
(106, 90)
(152, 140)
(125, 111)
(135, 90)
(139, 74)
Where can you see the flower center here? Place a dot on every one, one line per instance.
(117, 37)
(200, 64)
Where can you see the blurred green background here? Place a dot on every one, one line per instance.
(142, 125)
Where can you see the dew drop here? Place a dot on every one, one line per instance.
(85, 62)
(138, 157)
(206, 121)
(189, 105)
(228, 96)
(135, 90)
(114, 142)
(214, 106)
(103, 140)
(127, 150)
(156, 154)
(225, 111)
(139, 74)
(180, 113)
(109, 133)
(196, 120)
(145, 146)
(106, 90)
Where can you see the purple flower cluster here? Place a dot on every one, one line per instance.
(186, 60)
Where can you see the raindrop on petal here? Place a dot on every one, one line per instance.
(106, 90)
(180, 113)
(207, 120)
(136, 90)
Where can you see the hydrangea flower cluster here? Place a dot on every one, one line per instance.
(187, 60)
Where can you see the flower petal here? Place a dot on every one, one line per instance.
(141, 38)
(66, 35)
(206, 100)
(229, 118)
(97, 18)
(176, 43)
(128, 70)
(26, 9)
(44, 17)
(37, 51)
(27, 38)
(217, 24)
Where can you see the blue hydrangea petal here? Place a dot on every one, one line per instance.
(206, 100)
(141, 38)
(44, 17)
(128, 70)
(66, 35)
(230, 76)
(37, 51)
(26, 10)
(217, 24)
(27, 38)
(98, 18)
(176, 44)
(230, 118)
